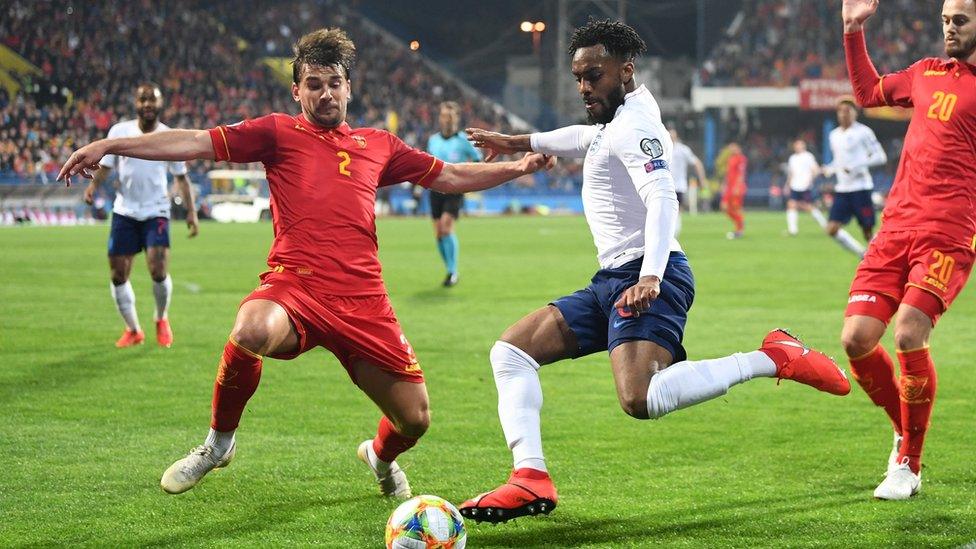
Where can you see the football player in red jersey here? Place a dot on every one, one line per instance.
(920, 260)
(323, 287)
(734, 191)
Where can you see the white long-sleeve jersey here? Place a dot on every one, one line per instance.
(856, 150)
(628, 191)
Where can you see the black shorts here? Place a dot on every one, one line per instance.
(129, 236)
(599, 326)
(441, 203)
(802, 196)
(855, 204)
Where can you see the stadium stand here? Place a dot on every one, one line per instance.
(219, 80)
(780, 42)
(69, 99)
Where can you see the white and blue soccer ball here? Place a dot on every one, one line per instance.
(426, 522)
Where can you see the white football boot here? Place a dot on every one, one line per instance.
(187, 472)
(899, 483)
(893, 456)
(393, 482)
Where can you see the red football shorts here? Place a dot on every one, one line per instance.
(922, 269)
(353, 328)
(734, 197)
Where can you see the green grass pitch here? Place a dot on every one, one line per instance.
(86, 430)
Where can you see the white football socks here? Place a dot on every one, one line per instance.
(792, 221)
(818, 216)
(849, 243)
(125, 301)
(162, 291)
(690, 382)
(220, 440)
(519, 403)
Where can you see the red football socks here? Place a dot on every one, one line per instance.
(875, 372)
(917, 397)
(388, 443)
(237, 379)
(738, 220)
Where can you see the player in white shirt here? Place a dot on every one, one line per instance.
(637, 303)
(856, 150)
(681, 159)
(140, 219)
(802, 169)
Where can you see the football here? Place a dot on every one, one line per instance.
(425, 522)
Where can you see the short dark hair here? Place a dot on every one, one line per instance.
(620, 40)
(151, 85)
(324, 47)
(847, 100)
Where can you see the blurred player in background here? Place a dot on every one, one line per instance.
(449, 145)
(140, 219)
(324, 286)
(637, 304)
(734, 191)
(802, 169)
(856, 150)
(920, 260)
(683, 158)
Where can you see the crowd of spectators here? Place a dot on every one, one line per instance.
(206, 58)
(780, 42)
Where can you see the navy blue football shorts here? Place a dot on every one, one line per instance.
(856, 204)
(802, 196)
(598, 326)
(130, 236)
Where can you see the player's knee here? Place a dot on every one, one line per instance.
(413, 424)
(635, 406)
(910, 337)
(158, 274)
(832, 230)
(252, 335)
(118, 278)
(857, 342)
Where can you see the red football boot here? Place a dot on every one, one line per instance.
(796, 361)
(527, 492)
(130, 338)
(164, 334)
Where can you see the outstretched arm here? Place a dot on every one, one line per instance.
(568, 142)
(468, 177)
(870, 88)
(168, 145)
(498, 143)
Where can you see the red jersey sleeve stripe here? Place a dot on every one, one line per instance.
(218, 138)
(881, 92)
(432, 172)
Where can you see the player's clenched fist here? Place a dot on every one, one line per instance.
(638, 297)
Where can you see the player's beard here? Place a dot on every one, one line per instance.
(962, 50)
(148, 115)
(328, 119)
(610, 104)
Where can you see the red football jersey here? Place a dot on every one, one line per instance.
(735, 175)
(935, 187)
(323, 190)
